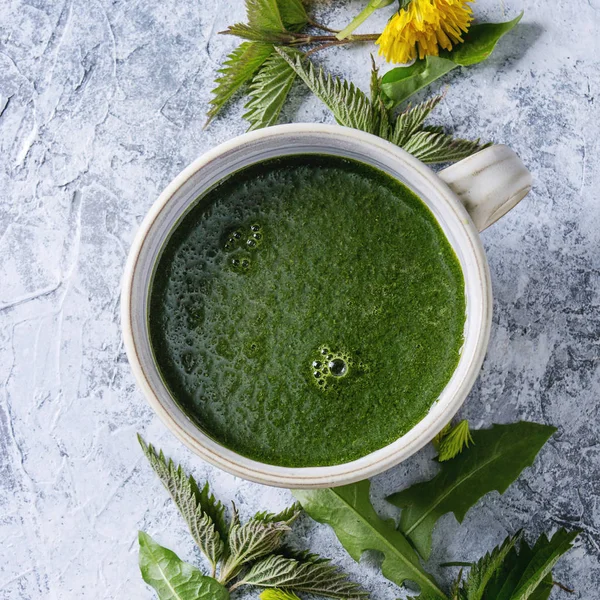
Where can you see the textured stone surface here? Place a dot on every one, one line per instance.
(101, 104)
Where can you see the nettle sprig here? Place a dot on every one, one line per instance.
(279, 38)
(250, 554)
(253, 554)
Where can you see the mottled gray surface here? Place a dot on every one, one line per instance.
(101, 104)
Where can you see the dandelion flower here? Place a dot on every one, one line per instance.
(423, 27)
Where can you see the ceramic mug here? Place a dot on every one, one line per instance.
(464, 198)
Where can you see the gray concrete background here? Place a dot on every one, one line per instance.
(101, 103)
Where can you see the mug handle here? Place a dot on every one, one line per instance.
(489, 183)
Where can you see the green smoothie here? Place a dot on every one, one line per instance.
(307, 311)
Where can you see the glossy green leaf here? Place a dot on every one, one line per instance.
(172, 578)
(480, 42)
(348, 510)
(493, 462)
(402, 82)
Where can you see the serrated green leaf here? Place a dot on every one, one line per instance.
(375, 83)
(349, 512)
(545, 555)
(349, 105)
(544, 590)
(249, 542)
(526, 574)
(496, 459)
(351, 108)
(314, 577)
(402, 82)
(485, 569)
(264, 14)
(293, 14)
(212, 507)
(432, 147)
(254, 34)
(409, 122)
(172, 578)
(455, 441)
(239, 68)
(269, 91)
(287, 515)
(186, 495)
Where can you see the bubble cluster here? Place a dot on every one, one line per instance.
(240, 243)
(247, 237)
(329, 366)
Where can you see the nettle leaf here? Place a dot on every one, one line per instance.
(238, 69)
(496, 459)
(485, 569)
(287, 515)
(212, 507)
(433, 147)
(264, 14)
(409, 122)
(402, 82)
(313, 577)
(544, 555)
(251, 541)
(248, 32)
(349, 105)
(349, 512)
(352, 108)
(375, 83)
(293, 14)
(526, 573)
(269, 91)
(455, 441)
(172, 578)
(195, 506)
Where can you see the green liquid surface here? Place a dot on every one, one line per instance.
(307, 311)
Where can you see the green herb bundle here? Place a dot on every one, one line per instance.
(254, 554)
(279, 37)
(240, 554)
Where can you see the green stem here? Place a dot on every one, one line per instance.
(357, 21)
(235, 586)
(301, 39)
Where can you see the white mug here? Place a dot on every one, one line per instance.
(465, 198)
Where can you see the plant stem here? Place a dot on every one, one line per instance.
(366, 12)
(300, 40)
(563, 587)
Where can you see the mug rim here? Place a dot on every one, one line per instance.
(306, 477)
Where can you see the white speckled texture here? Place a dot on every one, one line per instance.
(101, 104)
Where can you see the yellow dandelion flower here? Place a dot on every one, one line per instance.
(423, 27)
